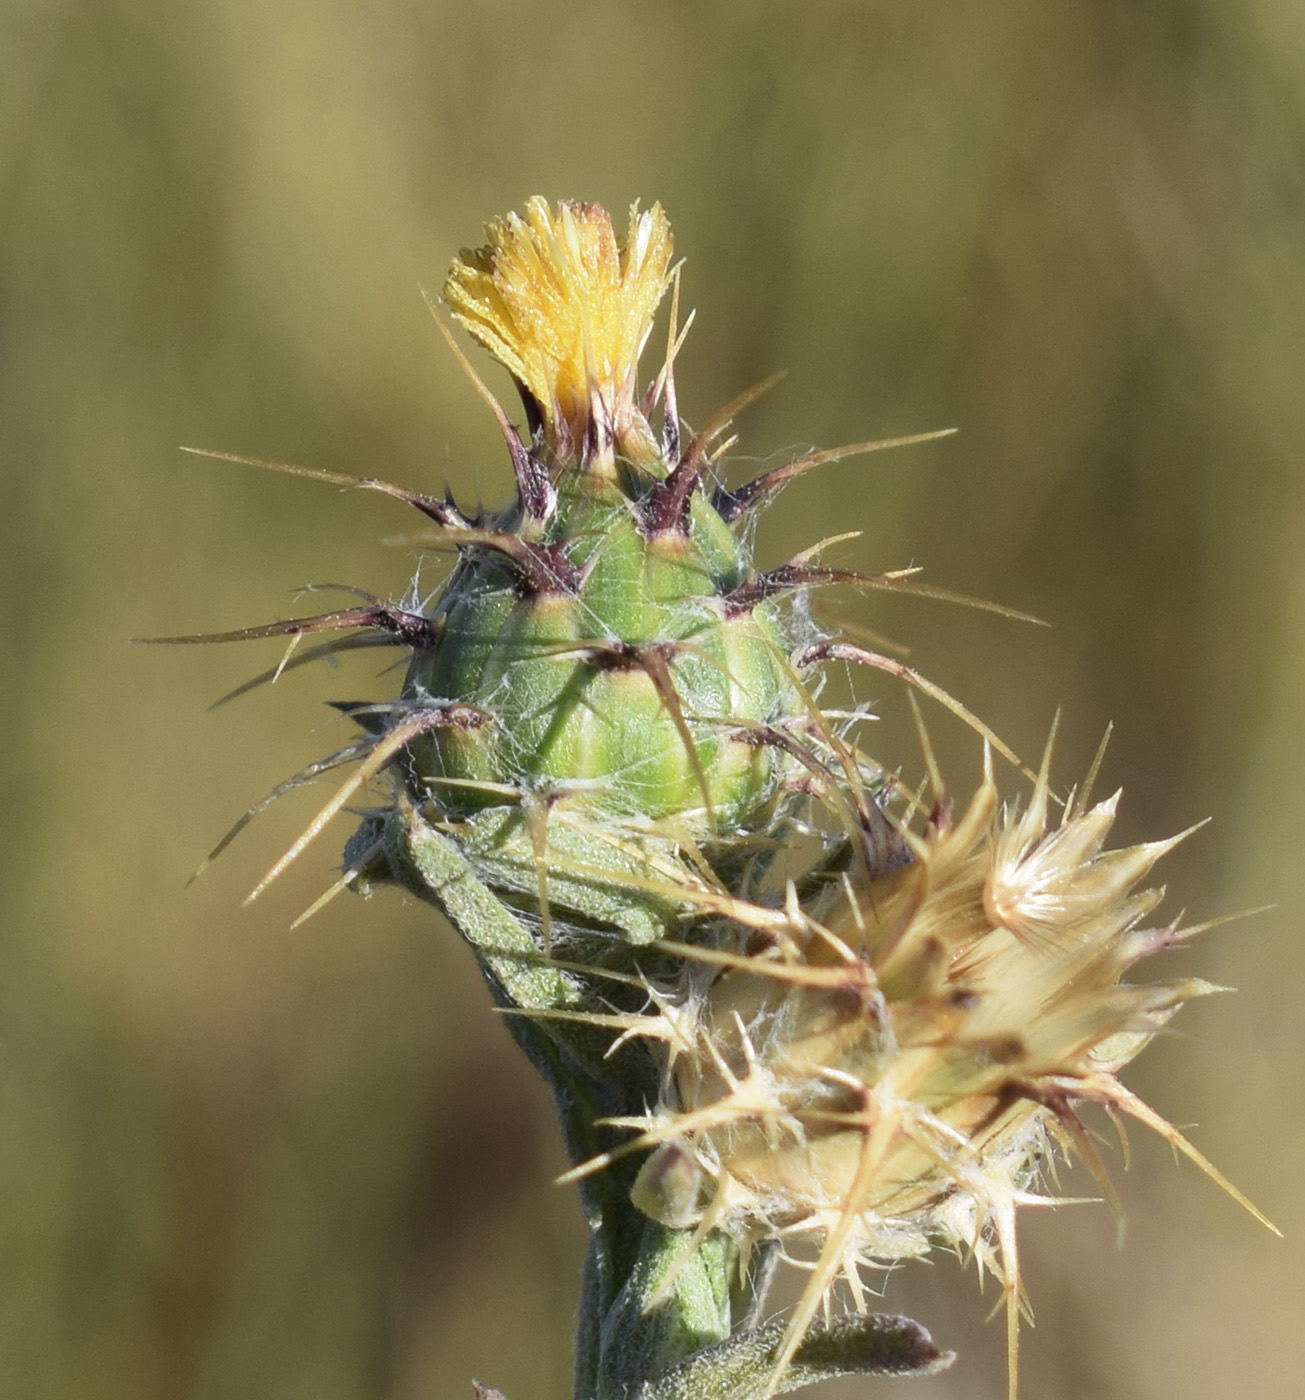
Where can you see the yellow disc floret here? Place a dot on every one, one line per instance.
(566, 306)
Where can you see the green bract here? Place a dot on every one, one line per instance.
(635, 686)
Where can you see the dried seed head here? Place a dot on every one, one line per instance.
(890, 1070)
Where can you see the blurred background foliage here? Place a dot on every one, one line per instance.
(239, 1161)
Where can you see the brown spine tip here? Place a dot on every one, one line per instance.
(536, 569)
(414, 721)
(667, 508)
(379, 717)
(536, 493)
(410, 629)
(786, 578)
(732, 504)
(444, 513)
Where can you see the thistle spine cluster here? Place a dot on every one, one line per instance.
(608, 731)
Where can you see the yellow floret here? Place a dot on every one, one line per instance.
(567, 307)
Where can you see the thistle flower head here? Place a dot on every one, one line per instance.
(566, 307)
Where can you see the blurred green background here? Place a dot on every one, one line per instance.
(238, 1161)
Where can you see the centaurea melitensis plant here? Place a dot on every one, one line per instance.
(607, 764)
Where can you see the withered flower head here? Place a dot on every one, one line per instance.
(888, 1064)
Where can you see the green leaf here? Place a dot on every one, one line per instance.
(742, 1367)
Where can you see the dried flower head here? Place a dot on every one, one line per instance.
(889, 1062)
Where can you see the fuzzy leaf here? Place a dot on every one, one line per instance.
(741, 1368)
(646, 1333)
